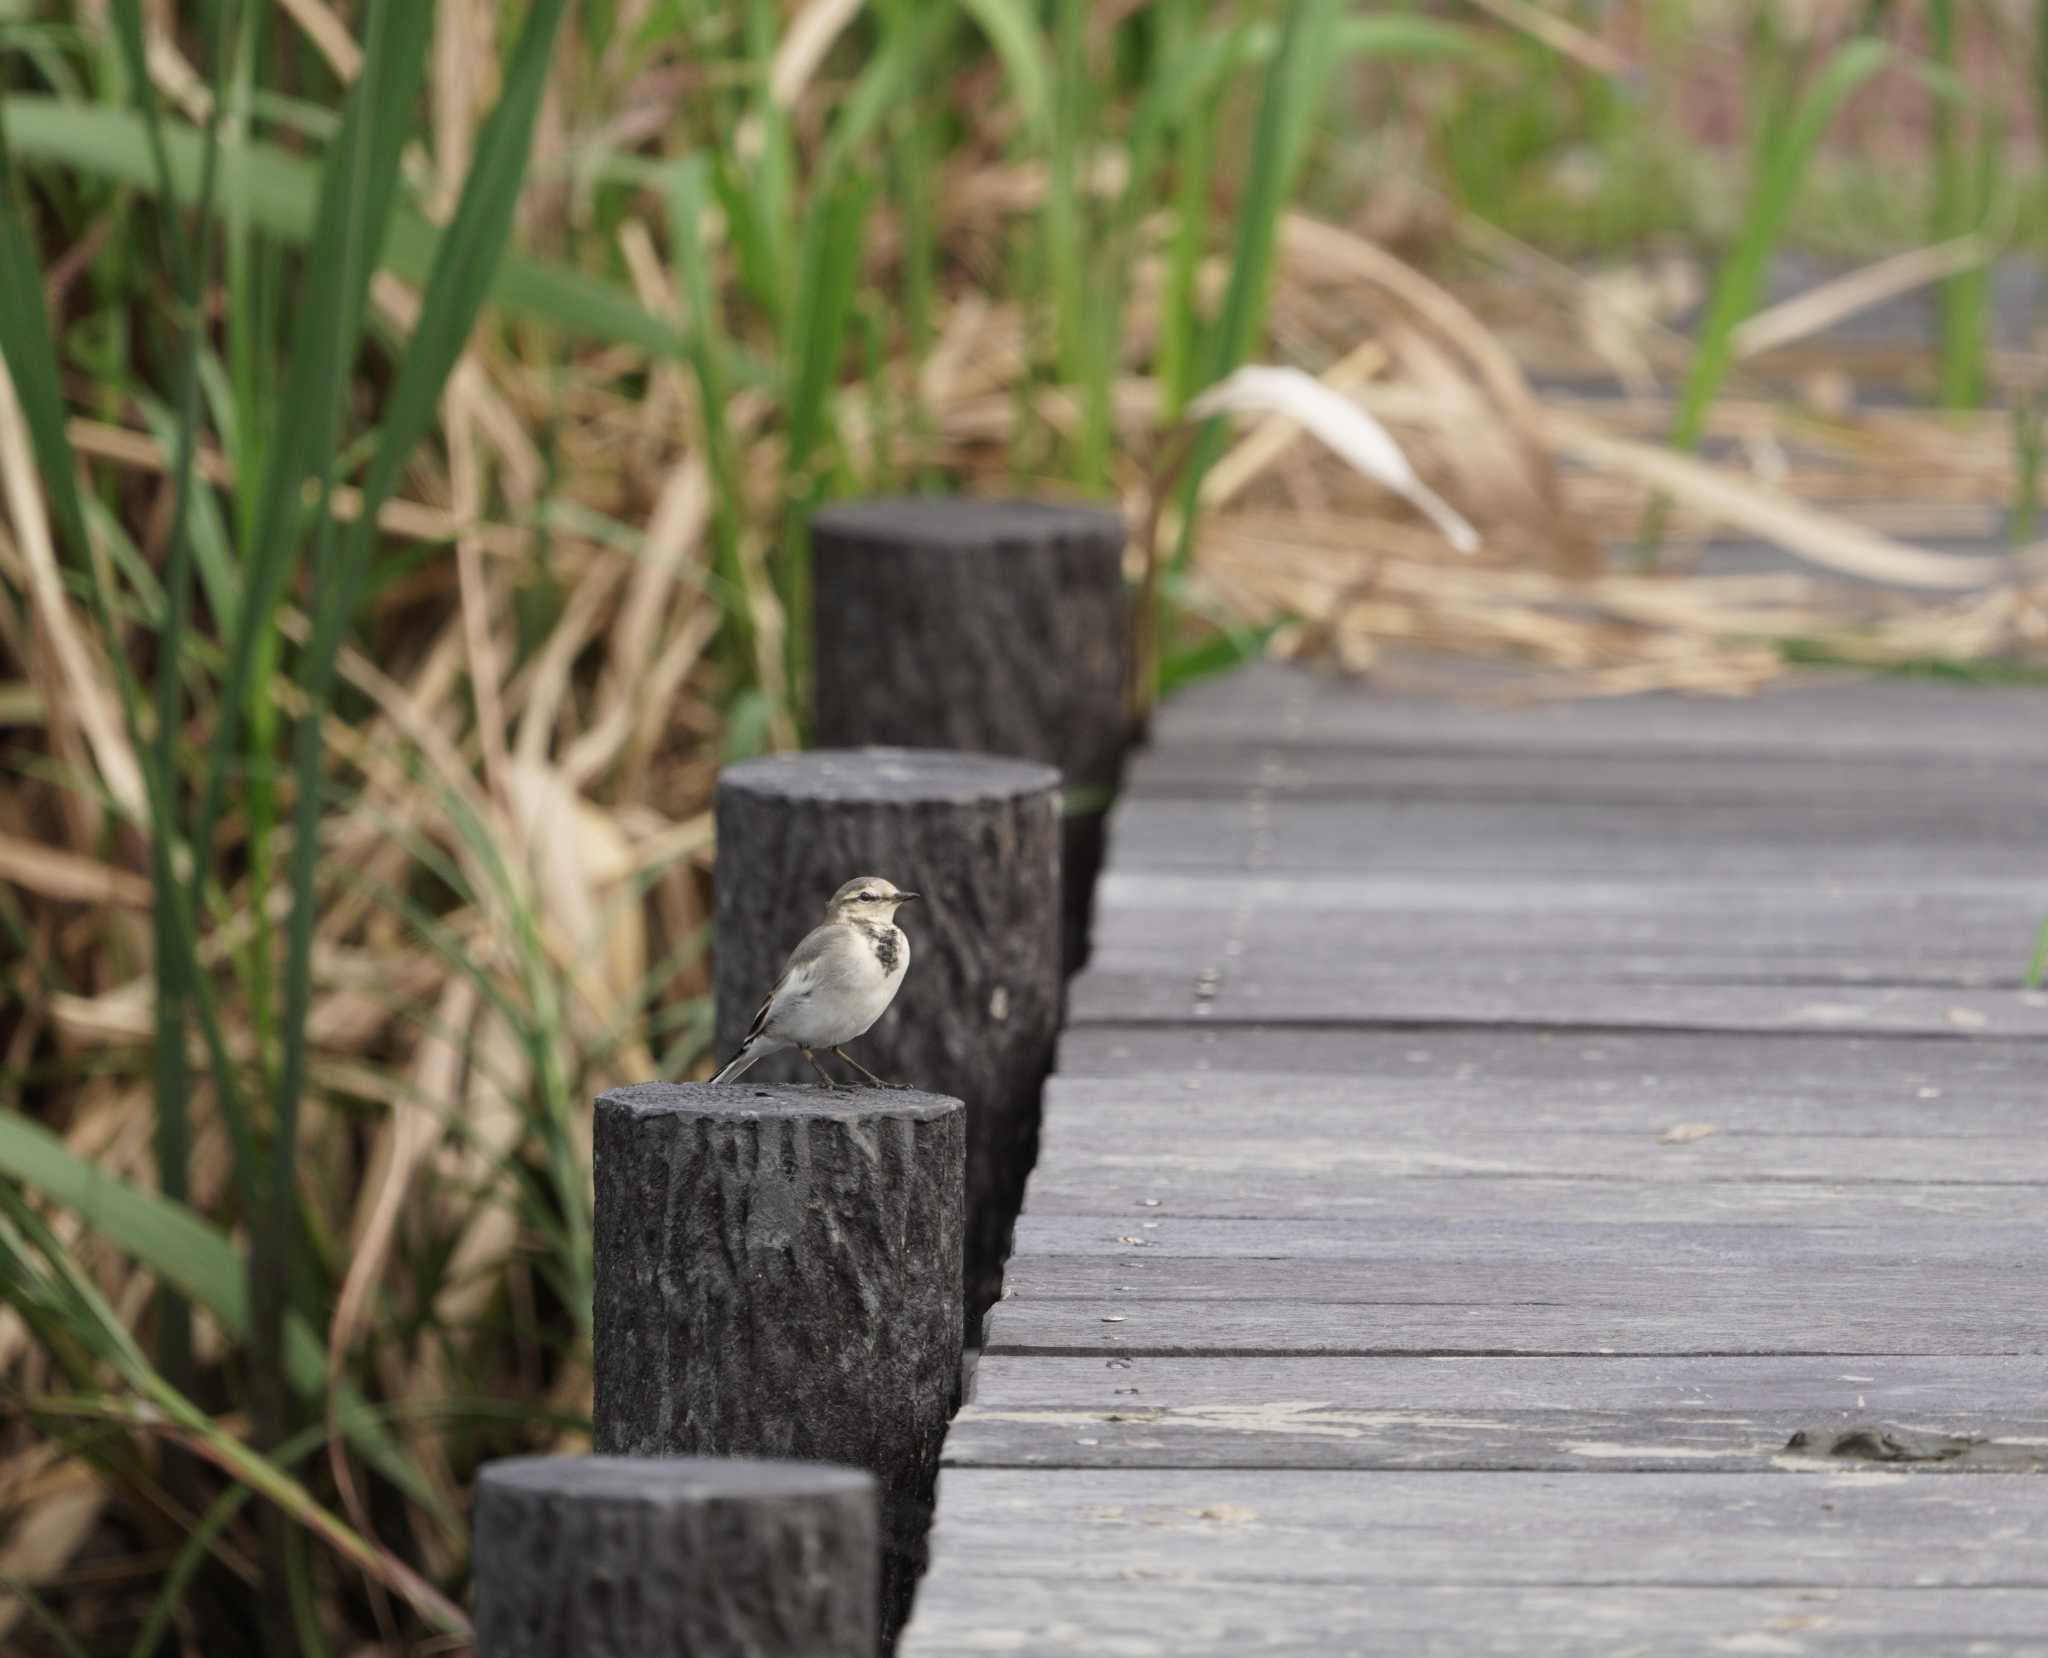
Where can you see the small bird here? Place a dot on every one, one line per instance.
(836, 983)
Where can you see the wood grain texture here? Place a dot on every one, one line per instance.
(1860, 1072)
(1545, 1181)
(1209, 769)
(938, 620)
(2015, 1242)
(1916, 1315)
(1853, 1529)
(1541, 996)
(778, 1274)
(994, 627)
(979, 1005)
(1370, 930)
(1908, 1388)
(1248, 1190)
(1822, 1088)
(1764, 844)
(1311, 1434)
(1183, 1617)
(1822, 716)
(613, 1557)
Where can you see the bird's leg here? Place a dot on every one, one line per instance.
(873, 1080)
(824, 1075)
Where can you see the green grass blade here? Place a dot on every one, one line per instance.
(33, 1258)
(175, 969)
(181, 1248)
(358, 189)
(1292, 91)
(1791, 132)
(1013, 32)
(455, 295)
(279, 193)
(689, 194)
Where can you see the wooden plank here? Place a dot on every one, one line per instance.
(1680, 1065)
(1875, 1530)
(1943, 962)
(1903, 1314)
(1754, 1282)
(1590, 929)
(1395, 1098)
(1049, 1616)
(1901, 1388)
(1545, 999)
(1606, 1414)
(1782, 843)
(1824, 716)
(1128, 1193)
(2017, 1243)
(1261, 1432)
(1173, 1155)
(1201, 768)
(1363, 1277)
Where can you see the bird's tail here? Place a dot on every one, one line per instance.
(750, 1051)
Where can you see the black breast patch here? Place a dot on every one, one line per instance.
(886, 950)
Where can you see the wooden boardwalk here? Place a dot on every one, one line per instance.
(1564, 1181)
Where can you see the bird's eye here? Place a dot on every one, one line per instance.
(865, 897)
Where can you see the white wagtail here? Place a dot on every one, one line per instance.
(836, 983)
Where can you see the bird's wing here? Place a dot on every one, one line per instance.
(800, 975)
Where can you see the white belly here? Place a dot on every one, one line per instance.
(844, 999)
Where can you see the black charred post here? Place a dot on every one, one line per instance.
(778, 1275)
(978, 1011)
(601, 1557)
(998, 627)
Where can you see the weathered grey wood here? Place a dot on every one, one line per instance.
(1919, 1316)
(1943, 963)
(1344, 1147)
(1074, 1189)
(1402, 1090)
(1680, 1065)
(1261, 1433)
(1853, 1529)
(1825, 715)
(1374, 929)
(2017, 1243)
(993, 626)
(1484, 1140)
(616, 1557)
(1921, 1389)
(1786, 842)
(1545, 999)
(1752, 1287)
(975, 1017)
(1234, 769)
(778, 1274)
(1173, 1617)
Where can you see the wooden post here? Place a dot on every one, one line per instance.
(978, 1012)
(595, 1557)
(1001, 627)
(778, 1275)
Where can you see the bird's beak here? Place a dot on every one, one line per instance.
(907, 897)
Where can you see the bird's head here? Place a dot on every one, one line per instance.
(867, 898)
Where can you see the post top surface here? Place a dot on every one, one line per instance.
(669, 1480)
(890, 775)
(795, 1101)
(942, 521)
